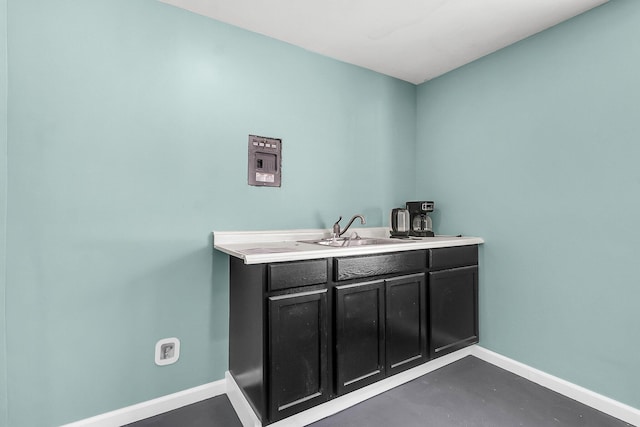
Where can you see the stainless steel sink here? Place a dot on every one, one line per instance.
(342, 242)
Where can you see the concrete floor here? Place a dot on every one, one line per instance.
(466, 393)
(214, 412)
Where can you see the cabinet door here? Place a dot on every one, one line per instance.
(297, 352)
(359, 335)
(453, 313)
(406, 322)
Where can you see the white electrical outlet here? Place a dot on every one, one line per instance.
(167, 351)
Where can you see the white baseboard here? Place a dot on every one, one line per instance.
(248, 418)
(597, 401)
(154, 407)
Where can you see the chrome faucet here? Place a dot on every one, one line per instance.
(336, 226)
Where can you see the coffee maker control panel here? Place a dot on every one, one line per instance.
(427, 206)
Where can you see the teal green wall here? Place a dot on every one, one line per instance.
(128, 125)
(3, 206)
(127, 130)
(536, 149)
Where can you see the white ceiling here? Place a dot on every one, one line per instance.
(413, 40)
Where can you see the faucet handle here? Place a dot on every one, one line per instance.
(336, 226)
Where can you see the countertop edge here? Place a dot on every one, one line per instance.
(282, 246)
(238, 237)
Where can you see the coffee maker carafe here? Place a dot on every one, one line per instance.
(419, 218)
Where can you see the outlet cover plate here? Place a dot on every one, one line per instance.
(174, 353)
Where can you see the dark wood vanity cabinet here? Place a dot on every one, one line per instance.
(453, 299)
(303, 332)
(380, 325)
(380, 329)
(278, 335)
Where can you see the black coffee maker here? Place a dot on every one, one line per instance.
(419, 218)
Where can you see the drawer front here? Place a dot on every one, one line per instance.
(294, 274)
(376, 265)
(457, 256)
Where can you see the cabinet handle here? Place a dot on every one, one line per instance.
(299, 294)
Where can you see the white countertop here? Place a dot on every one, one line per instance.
(258, 247)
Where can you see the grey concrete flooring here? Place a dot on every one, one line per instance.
(470, 393)
(214, 412)
(467, 393)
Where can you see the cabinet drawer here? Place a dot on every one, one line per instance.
(457, 256)
(294, 274)
(375, 265)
